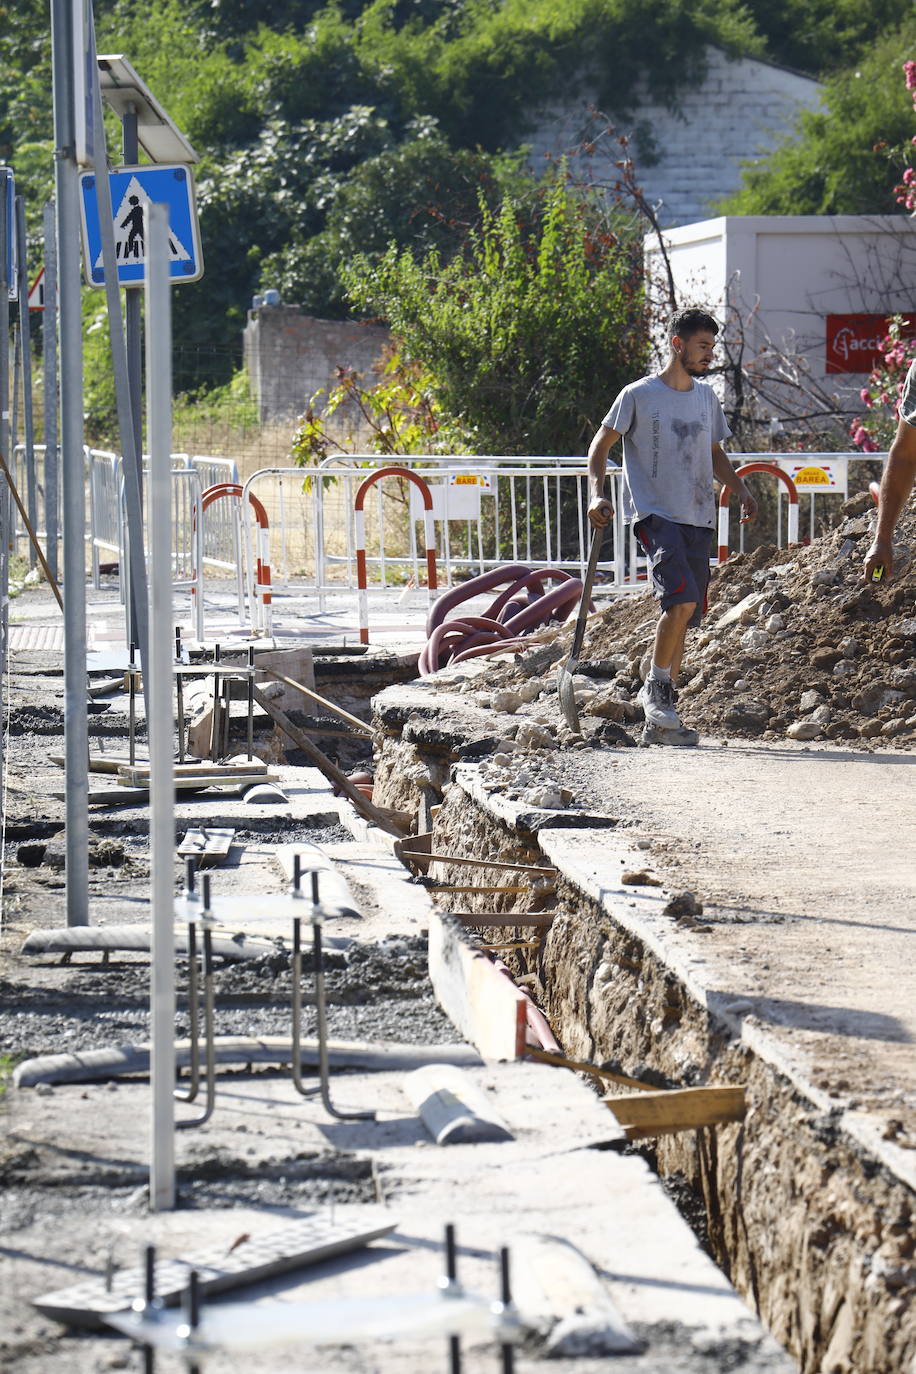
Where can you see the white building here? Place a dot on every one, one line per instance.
(805, 297)
(743, 108)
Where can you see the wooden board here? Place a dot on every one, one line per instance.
(411, 854)
(681, 1109)
(500, 920)
(487, 1007)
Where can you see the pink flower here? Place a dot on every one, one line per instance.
(866, 396)
(909, 73)
(859, 435)
(869, 446)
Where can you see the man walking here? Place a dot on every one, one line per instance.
(896, 481)
(672, 428)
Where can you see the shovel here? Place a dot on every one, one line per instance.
(565, 690)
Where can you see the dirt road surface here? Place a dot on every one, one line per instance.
(804, 860)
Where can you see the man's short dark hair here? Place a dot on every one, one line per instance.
(686, 323)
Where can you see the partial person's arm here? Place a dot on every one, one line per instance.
(600, 509)
(725, 473)
(896, 485)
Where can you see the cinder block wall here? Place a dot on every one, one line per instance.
(290, 355)
(740, 112)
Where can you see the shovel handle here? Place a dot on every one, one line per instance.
(591, 569)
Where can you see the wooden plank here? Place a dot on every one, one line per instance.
(514, 944)
(256, 768)
(478, 863)
(499, 920)
(358, 725)
(436, 888)
(330, 770)
(680, 1109)
(202, 781)
(487, 1007)
(581, 1066)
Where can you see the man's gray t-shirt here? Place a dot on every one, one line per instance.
(667, 450)
(908, 398)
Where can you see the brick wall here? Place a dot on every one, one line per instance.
(742, 110)
(290, 355)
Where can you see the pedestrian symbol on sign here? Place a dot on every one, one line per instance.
(130, 241)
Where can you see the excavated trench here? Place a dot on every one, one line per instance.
(815, 1233)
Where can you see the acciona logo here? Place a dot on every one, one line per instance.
(848, 343)
(854, 342)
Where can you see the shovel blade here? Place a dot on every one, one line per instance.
(567, 694)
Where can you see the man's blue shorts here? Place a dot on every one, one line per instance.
(679, 559)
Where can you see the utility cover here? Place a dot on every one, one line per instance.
(133, 189)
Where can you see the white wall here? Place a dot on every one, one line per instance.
(742, 110)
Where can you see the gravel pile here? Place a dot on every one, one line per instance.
(795, 645)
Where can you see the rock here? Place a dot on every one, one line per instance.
(905, 679)
(530, 690)
(810, 701)
(844, 668)
(890, 697)
(824, 577)
(849, 647)
(683, 904)
(805, 729)
(532, 736)
(501, 760)
(609, 706)
(907, 628)
(825, 658)
(639, 878)
(823, 715)
(743, 612)
(755, 639)
(748, 714)
(506, 700)
(774, 623)
(894, 727)
(870, 728)
(742, 684)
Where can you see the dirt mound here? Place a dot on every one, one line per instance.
(795, 644)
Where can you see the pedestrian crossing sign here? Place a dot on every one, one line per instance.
(132, 190)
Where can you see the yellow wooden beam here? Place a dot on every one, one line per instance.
(644, 1115)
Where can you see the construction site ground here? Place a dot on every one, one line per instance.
(768, 873)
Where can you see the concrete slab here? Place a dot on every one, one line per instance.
(556, 1173)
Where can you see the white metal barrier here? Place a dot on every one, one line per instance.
(106, 533)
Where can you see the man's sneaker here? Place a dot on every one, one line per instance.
(657, 701)
(655, 734)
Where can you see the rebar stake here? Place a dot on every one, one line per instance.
(322, 1022)
(132, 707)
(250, 717)
(191, 1306)
(297, 1009)
(451, 1288)
(193, 1032)
(206, 918)
(179, 694)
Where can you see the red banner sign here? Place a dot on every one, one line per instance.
(854, 341)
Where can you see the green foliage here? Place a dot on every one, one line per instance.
(820, 36)
(843, 159)
(398, 412)
(529, 331)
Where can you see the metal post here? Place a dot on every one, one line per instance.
(76, 732)
(49, 348)
(137, 609)
(158, 675)
(25, 343)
